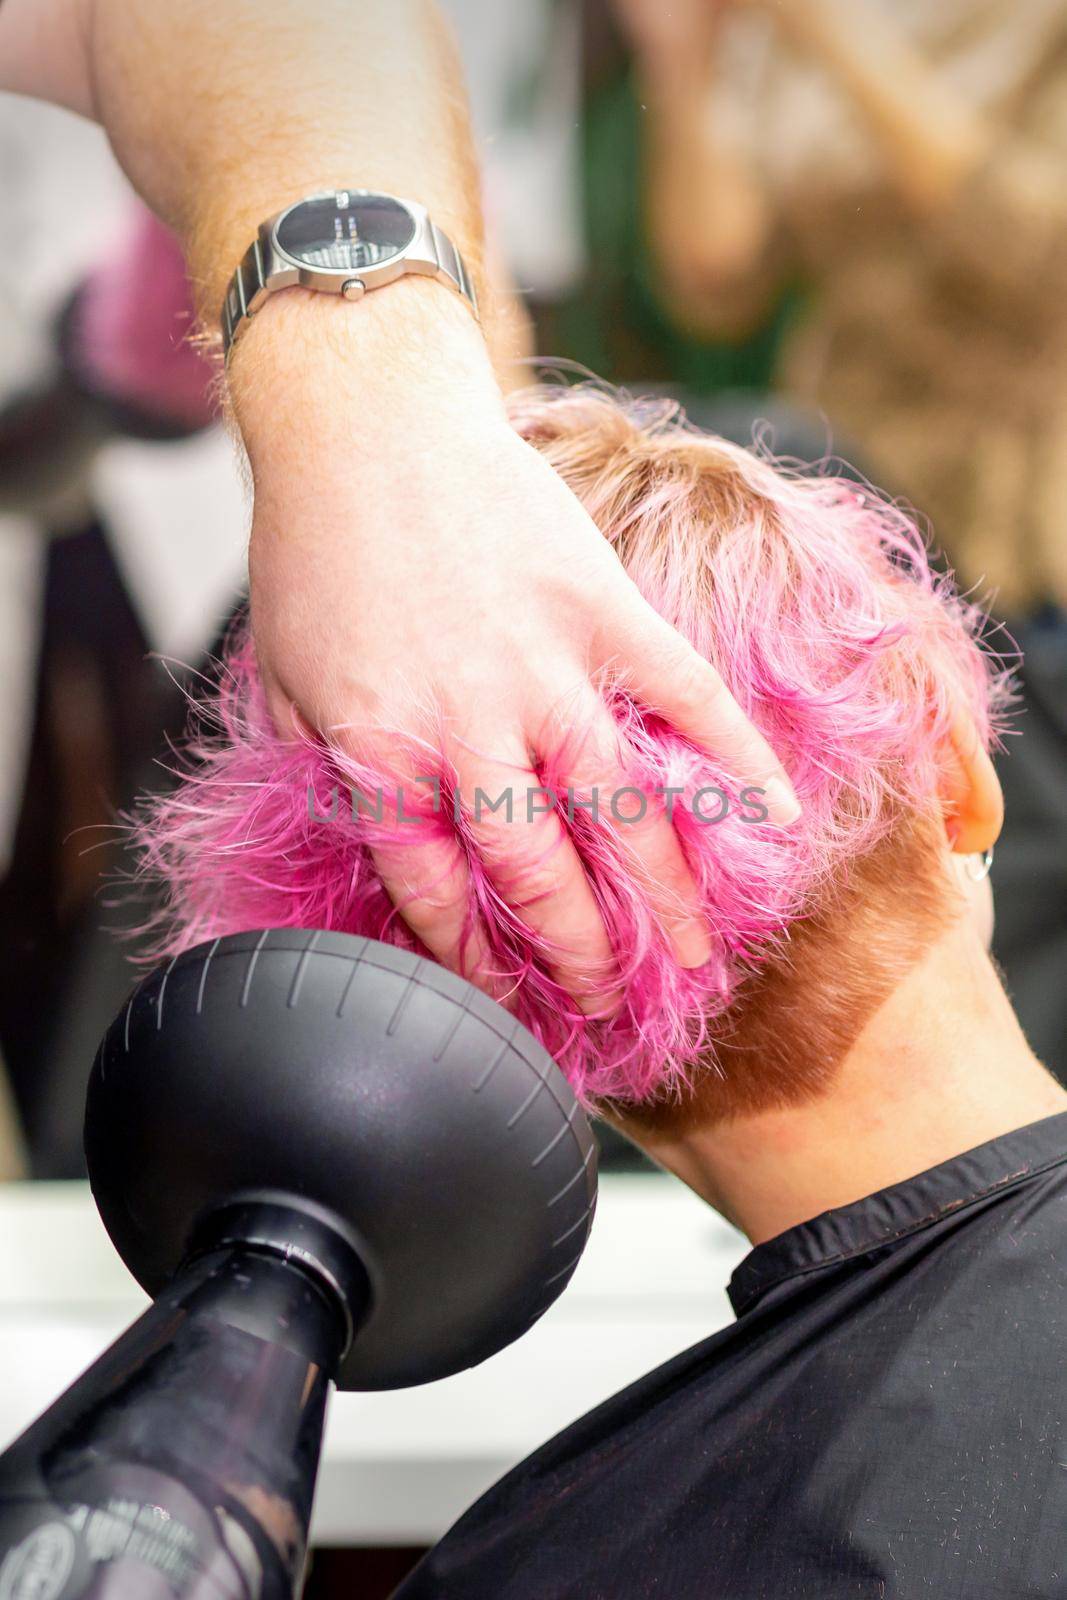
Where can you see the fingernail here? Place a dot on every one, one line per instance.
(781, 801)
(692, 943)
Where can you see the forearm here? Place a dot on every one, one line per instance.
(221, 113)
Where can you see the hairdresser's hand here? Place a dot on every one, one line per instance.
(408, 549)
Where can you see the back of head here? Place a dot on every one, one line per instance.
(816, 602)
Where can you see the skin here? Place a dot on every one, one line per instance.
(407, 550)
(941, 1067)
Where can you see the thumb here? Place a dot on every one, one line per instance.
(667, 675)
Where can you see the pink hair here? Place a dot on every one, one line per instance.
(133, 323)
(819, 607)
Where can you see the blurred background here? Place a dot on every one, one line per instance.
(838, 227)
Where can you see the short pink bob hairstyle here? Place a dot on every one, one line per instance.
(817, 603)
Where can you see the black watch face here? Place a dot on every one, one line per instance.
(346, 231)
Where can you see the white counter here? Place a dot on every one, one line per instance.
(397, 1468)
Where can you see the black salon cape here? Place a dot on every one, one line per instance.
(886, 1418)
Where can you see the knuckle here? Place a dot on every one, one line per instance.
(525, 869)
(700, 689)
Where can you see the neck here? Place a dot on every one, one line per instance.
(942, 1067)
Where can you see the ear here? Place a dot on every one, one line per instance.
(971, 797)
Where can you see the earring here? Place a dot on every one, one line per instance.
(978, 867)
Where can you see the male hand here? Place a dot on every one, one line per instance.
(411, 554)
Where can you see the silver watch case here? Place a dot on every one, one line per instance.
(265, 267)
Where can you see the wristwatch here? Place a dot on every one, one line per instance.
(342, 241)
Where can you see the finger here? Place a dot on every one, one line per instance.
(425, 873)
(429, 885)
(420, 861)
(666, 674)
(537, 872)
(649, 840)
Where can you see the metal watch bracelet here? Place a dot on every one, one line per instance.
(263, 269)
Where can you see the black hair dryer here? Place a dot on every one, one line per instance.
(327, 1160)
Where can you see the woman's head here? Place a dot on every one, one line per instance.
(817, 604)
